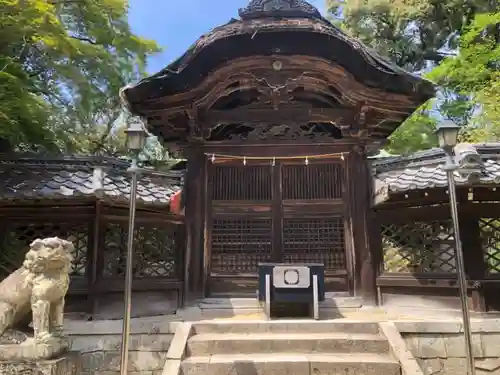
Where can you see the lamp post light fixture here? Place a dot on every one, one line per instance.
(447, 133)
(136, 139)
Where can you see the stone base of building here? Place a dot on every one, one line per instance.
(31, 350)
(65, 365)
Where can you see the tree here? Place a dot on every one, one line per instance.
(423, 35)
(475, 73)
(153, 154)
(62, 63)
(417, 133)
(412, 33)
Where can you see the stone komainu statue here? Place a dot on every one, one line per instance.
(39, 286)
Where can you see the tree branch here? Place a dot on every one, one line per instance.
(21, 56)
(54, 2)
(437, 57)
(84, 39)
(100, 144)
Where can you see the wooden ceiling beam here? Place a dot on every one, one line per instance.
(289, 116)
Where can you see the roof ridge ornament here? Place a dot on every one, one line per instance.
(469, 161)
(279, 8)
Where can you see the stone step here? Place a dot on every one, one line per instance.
(330, 302)
(291, 364)
(285, 326)
(253, 294)
(211, 344)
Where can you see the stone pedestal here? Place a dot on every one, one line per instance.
(31, 350)
(67, 365)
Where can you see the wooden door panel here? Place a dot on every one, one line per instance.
(238, 245)
(312, 181)
(286, 212)
(249, 183)
(315, 240)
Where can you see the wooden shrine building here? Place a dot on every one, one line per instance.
(276, 113)
(415, 236)
(85, 200)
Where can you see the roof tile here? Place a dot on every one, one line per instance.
(70, 178)
(425, 170)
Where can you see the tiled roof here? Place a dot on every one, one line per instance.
(424, 170)
(81, 177)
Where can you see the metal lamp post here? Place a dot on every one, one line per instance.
(136, 138)
(447, 133)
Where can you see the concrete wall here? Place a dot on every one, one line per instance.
(99, 344)
(440, 350)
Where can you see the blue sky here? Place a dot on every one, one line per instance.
(176, 24)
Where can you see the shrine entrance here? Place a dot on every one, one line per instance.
(244, 106)
(288, 211)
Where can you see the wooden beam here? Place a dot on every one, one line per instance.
(438, 212)
(180, 249)
(209, 215)
(195, 218)
(342, 116)
(97, 230)
(280, 150)
(70, 213)
(475, 263)
(200, 220)
(350, 248)
(365, 257)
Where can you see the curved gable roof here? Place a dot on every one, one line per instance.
(265, 28)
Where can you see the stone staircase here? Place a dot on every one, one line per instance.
(334, 306)
(287, 347)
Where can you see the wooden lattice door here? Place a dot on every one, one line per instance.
(241, 222)
(285, 212)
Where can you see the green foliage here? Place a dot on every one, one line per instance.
(417, 133)
(62, 63)
(455, 41)
(411, 33)
(475, 74)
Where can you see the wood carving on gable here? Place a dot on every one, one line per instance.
(194, 129)
(260, 90)
(274, 88)
(258, 76)
(316, 132)
(358, 127)
(284, 8)
(268, 90)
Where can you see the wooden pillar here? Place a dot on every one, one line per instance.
(475, 266)
(180, 245)
(194, 216)
(359, 193)
(201, 183)
(375, 242)
(96, 231)
(207, 251)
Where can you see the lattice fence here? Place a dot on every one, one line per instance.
(315, 240)
(420, 247)
(490, 243)
(238, 245)
(16, 238)
(155, 251)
